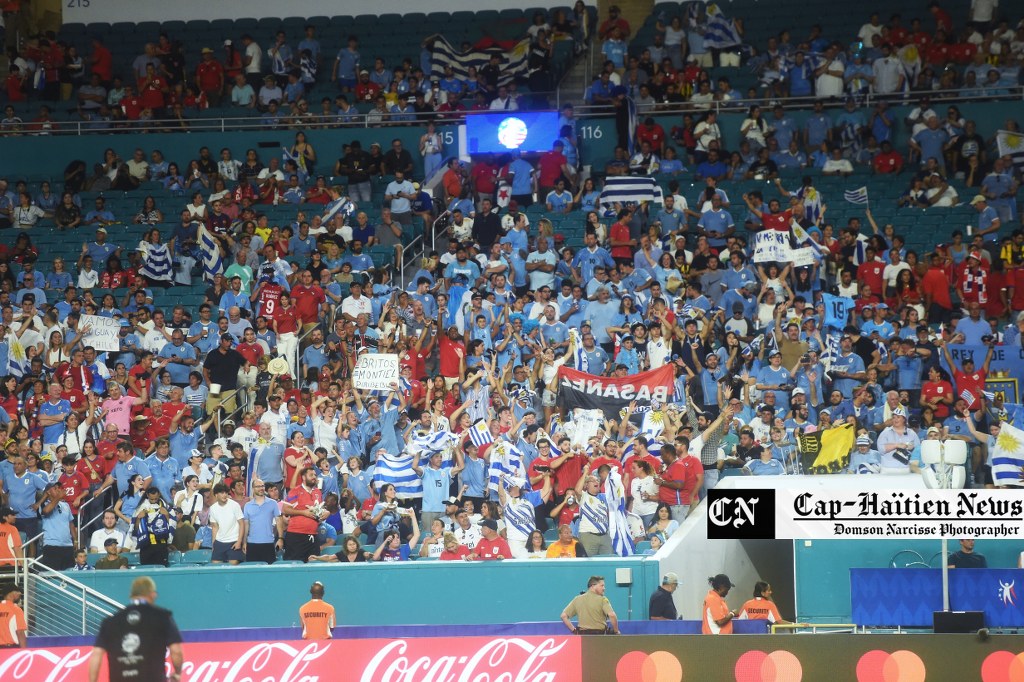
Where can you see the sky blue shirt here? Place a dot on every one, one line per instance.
(21, 491)
(53, 432)
(435, 488)
(56, 526)
(261, 520)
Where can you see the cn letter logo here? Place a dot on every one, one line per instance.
(741, 514)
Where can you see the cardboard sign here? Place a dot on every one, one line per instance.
(104, 332)
(375, 371)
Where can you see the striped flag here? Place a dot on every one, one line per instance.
(618, 527)
(514, 62)
(856, 196)
(832, 351)
(17, 362)
(158, 264)
(1012, 145)
(341, 206)
(968, 396)
(1008, 456)
(480, 433)
(579, 356)
(438, 441)
(209, 248)
(721, 32)
(397, 470)
(629, 189)
(506, 460)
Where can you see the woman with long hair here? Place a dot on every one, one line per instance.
(129, 501)
(149, 214)
(663, 521)
(762, 606)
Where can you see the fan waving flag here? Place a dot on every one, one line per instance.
(721, 33)
(213, 262)
(629, 189)
(397, 470)
(1011, 144)
(506, 460)
(856, 196)
(514, 61)
(1008, 456)
(480, 433)
(618, 527)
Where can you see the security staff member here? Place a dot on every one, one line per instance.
(592, 611)
(317, 616)
(662, 606)
(136, 638)
(12, 619)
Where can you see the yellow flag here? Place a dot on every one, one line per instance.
(836, 445)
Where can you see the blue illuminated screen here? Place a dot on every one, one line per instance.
(509, 131)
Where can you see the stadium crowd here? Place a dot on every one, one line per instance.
(237, 426)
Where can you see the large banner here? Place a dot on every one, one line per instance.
(1005, 372)
(362, 660)
(592, 392)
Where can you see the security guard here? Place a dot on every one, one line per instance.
(592, 610)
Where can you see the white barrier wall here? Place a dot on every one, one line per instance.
(690, 555)
(88, 11)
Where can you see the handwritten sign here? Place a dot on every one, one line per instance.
(802, 256)
(103, 334)
(771, 246)
(375, 372)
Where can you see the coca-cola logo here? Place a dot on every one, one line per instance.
(497, 660)
(43, 665)
(269, 662)
(426, 659)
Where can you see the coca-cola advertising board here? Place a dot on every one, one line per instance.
(427, 659)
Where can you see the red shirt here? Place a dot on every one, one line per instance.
(569, 473)
(1015, 281)
(13, 85)
(938, 54)
(941, 389)
(307, 302)
(598, 462)
(871, 273)
(76, 398)
(490, 550)
(451, 353)
(678, 471)
(777, 221)
(888, 163)
(163, 422)
(485, 177)
(94, 471)
(653, 135)
(103, 63)
(415, 361)
(142, 378)
(935, 283)
(170, 411)
(290, 471)
(962, 53)
(620, 232)
(415, 394)
(74, 484)
(153, 92)
(303, 499)
(367, 92)
(132, 107)
(142, 439)
(269, 299)
(460, 553)
(209, 75)
(250, 351)
(286, 321)
(550, 166)
(975, 383)
(568, 514)
(81, 374)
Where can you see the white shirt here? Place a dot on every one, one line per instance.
(468, 537)
(891, 272)
(354, 307)
(102, 535)
(246, 436)
(643, 485)
(253, 50)
(888, 71)
(278, 422)
(226, 516)
(507, 104)
(982, 10)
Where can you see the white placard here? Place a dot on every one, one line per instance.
(375, 371)
(103, 334)
(802, 256)
(585, 423)
(771, 246)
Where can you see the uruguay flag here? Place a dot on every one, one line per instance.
(397, 470)
(341, 206)
(209, 247)
(618, 527)
(158, 264)
(480, 433)
(506, 460)
(721, 33)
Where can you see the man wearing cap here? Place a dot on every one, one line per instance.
(864, 459)
(988, 218)
(10, 538)
(896, 443)
(13, 625)
(662, 605)
(491, 547)
(776, 378)
(210, 78)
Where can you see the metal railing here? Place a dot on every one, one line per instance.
(81, 512)
(362, 121)
(56, 605)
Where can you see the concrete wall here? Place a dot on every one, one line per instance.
(437, 593)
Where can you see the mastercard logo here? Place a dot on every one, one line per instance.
(778, 666)
(1003, 666)
(898, 666)
(639, 666)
